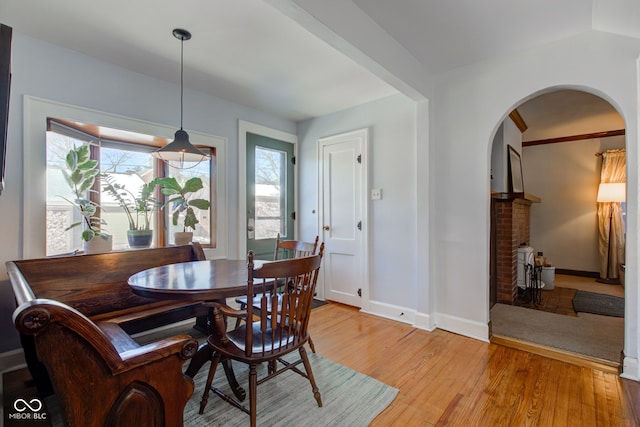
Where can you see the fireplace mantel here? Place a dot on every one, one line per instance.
(512, 196)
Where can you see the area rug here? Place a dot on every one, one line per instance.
(605, 305)
(349, 398)
(317, 303)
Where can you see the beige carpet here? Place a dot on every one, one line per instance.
(588, 334)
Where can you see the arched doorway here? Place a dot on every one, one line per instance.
(558, 135)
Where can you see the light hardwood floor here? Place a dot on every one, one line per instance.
(446, 379)
(449, 380)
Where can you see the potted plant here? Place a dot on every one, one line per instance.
(81, 175)
(137, 208)
(178, 196)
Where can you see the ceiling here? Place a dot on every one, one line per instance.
(257, 52)
(567, 113)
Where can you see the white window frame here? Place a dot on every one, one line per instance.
(36, 111)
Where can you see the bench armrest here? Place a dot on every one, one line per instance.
(115, 347)
(183, 345)
(21, 288)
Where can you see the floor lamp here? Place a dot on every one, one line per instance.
(610, 192)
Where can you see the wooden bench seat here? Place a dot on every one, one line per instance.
(96, 286)
(142, 318)
(102, 377)
(120, 340)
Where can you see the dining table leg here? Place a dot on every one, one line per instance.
(204, 355)
(238, 391)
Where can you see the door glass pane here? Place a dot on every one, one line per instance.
(270, 195)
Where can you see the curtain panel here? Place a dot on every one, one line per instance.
(611, 241)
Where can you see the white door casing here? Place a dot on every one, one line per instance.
(343, 216)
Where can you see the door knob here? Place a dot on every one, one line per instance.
(325, 228)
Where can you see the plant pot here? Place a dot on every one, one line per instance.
(182, 237)
(98, 245)
(139, 238)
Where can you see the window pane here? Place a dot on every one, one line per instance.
(131, 170)
(128, 165)
(204, 234)
(60, 211)
(270, 179)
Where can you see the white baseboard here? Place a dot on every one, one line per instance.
(424, 321)
(389, 311)
(466, 327)
(428, 322)
(630, 368)
(401, 314)
(12, 360)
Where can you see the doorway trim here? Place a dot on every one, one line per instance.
(243, 128)
(625, 366)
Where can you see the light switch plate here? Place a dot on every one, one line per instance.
(376, 194)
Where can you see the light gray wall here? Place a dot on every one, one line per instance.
(566, 176)
(392, 237)
(46, 71)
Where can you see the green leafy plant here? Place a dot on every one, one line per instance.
(81, 174)
(137, 208)
(178, 197)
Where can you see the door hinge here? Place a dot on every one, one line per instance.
(293, 215)
(293, 160)
(359, 158)
(359, 225)
(359, 292)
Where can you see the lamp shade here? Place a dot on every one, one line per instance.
(612, 192)
(180, 150)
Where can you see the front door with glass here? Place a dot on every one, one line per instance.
(270, 193)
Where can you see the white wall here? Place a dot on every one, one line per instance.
(507, 134)
(47, 71)
(566, 177)
(460, 154)
(498, 163)
(392, 238)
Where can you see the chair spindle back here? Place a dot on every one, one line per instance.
(283, 315)
(287, 249)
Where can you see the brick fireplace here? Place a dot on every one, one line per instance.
(510, 227)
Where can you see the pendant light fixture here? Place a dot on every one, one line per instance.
(180, 150)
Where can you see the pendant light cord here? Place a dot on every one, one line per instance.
(181, 79)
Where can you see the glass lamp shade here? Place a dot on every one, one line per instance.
(611, 192)
(180, 150)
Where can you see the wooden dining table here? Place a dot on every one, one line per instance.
(211, 280)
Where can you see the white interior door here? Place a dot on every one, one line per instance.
(342, 216)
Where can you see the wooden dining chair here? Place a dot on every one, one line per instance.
(286, 249)
(280, 328)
